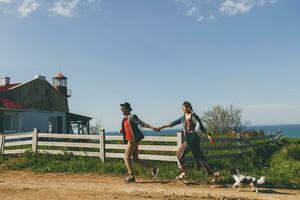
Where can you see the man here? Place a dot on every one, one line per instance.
(132, 137)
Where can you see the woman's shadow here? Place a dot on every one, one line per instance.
(270, 191)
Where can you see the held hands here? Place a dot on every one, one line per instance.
(162, 127)
(157, 129)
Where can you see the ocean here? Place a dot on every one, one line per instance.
(287, 130)
(292, 130)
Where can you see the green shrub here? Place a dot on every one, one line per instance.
(1, 160)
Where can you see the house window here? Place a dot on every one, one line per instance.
(7, 122)
(60, 82)
(11, 121)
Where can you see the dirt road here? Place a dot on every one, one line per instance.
(15, 185)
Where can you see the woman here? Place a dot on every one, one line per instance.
(192, 126)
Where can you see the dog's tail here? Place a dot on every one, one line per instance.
(261, 180)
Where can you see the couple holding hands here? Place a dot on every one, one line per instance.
(192, 126)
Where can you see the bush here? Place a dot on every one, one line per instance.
(285, 166)
(1, 159)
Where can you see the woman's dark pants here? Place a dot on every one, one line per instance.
(192, 143)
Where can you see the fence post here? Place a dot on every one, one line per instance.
(239, 142)
(2, 143)
(35, 140)
(179, 142)
(102, 145)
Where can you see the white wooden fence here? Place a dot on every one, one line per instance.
(103, 146)
(96, 142)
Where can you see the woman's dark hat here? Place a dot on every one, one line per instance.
(126, 105)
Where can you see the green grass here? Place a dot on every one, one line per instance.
(280, 163)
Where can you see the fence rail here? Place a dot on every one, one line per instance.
(104, 146)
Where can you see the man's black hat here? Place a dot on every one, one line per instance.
(126, 105)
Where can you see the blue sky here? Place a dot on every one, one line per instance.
(157, 53)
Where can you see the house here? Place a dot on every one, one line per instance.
(38, 104)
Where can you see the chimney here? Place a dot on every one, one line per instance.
(4, 81)
(39, 76)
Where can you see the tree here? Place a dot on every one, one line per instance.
(223, 120)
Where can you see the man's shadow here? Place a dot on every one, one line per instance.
(156, 182)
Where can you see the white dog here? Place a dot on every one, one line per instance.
(252, 181)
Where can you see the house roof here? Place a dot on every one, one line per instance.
(6, 103)
(60, 75)
(75, 118)
(4, 88)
